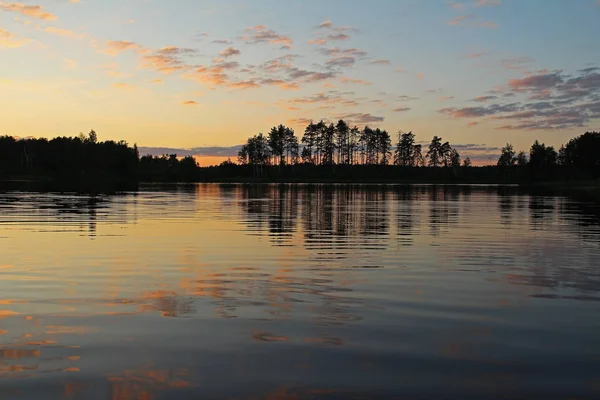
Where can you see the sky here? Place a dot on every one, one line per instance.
(200, 77)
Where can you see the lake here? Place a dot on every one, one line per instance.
(299, 292)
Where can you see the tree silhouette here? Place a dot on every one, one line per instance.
(454, 158)
(522, 159)
(541, 156)
(404, 154)
(507, 156)
(436, 152)
(582, 152)
(384, 146)
(276, 141)
(310, 143)
(342, 131)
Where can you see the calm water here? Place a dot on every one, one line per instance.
(292, 292)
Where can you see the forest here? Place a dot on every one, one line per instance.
(324, 153)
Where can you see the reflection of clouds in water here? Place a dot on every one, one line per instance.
(33, 349)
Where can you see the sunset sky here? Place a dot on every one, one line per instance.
(201, 76)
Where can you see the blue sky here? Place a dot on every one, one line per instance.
(188, 74)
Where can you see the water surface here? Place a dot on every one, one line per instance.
(297, 291)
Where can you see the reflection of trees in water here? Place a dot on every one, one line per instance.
(443, 207)
(82, 211)
(506, 205)
(542, 211)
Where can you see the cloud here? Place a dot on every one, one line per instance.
(458, 20)
(316, 98)
(446, 98)
(285, 85)
(484, 99)
(214, 75)
(401, 109)
(589, 69)
(249, 84)
(329, 38)
(406, 98)
(335, 33)
(190, 103)
(300, 121)
(421, 76)
(167, 60)
(29, 11)
(10, 40)
(361, 118)
(260, 34)
(380, 62)
(63, 32)
(222, 41)
(280, 63)
(553, 101)
(326, 24)
(536, 82)
(115, 47)
(309, 76)
(229, 52)
(344, 58)
(356, 81)
(476, 112)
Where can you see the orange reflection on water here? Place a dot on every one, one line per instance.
(146, 383)
(269, 337)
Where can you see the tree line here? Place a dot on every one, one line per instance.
(581, 152)
(341, 144)
(325, 152)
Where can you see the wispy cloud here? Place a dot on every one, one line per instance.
(167, 60)
(261, 34)
(342, 57)
(553, 101)
(332, 33)
(63, 32)
(190, 103)
(115, 47)
(229, 52)
(381, 62)
(356, 81)
(10, 40)
(28, 10)
(475, 55)
(360, 118)
(401, 109)
(459, 19)
(484, 99)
